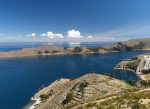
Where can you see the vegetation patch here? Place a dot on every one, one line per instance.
(145, 71)
(132, 65)
(44, 97)
(69, 97)
(46, 51)
(77, 49)
(127, 100)
(40, 52)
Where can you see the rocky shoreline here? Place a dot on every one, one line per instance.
(136, 65)
(66, 93)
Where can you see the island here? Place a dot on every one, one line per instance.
(136, 44)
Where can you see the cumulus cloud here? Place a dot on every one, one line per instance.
(52, 35)
(74, 34)
(33, 34)
(71, 34)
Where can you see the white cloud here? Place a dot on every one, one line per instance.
(52, 35)
(74, 34)
(43, 35)
(33, 34)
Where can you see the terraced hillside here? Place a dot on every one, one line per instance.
(65, 93)
(134, 99)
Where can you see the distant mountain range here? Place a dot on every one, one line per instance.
(133, 44)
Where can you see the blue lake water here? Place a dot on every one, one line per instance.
(20, 78)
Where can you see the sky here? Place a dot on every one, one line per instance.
(74, 20)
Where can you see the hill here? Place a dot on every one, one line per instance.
(139, 64)
(66, 93)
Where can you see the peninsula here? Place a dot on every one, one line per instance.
(92, 91)
(66, 93)
(139, 64)
(137, 44)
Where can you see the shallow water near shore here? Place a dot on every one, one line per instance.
(29, 104)
(20, 78)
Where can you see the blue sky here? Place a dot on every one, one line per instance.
(74, 20)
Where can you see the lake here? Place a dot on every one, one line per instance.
(20, 78)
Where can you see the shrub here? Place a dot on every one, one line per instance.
(145, 83)
(80, 85)
(132, 82)
(132, 65)
(83, 85)
(40, 52)
(46, 51)
(145, 71)
(77, 49)
(134, 58)
(44, 96)
(136, 105)
(69, 97)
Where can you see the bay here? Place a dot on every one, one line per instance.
(20, 78)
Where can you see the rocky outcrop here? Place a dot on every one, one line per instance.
(128, 65)
(65, 93)
(139, 64)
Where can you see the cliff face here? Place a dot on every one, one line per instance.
(139, 64)
(69, 94)
(129, 64)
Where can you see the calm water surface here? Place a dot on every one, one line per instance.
(20, 78)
